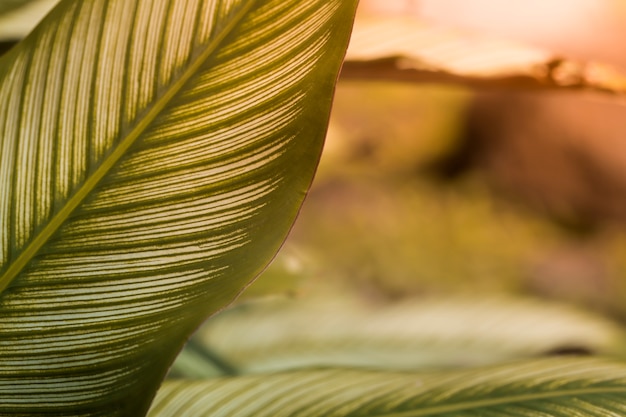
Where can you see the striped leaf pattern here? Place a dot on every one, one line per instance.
(544, 388)
(153, 156)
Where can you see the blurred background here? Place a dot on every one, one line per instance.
(429, 189)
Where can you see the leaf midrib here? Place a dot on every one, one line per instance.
(31, 250)
(513, 399)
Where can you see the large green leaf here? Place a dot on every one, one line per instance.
(544, 388)
(279, 335)
(153, 156)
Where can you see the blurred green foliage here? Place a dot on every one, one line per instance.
(375, 222)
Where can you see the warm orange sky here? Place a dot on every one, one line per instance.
(586, 29)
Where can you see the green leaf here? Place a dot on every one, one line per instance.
(279, 335)
(154, 155)
(551, 387)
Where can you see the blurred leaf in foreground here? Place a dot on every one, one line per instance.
(18, 17)
(10, 5)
